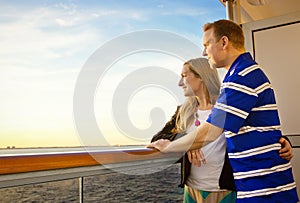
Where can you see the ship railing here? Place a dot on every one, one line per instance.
(31, 168)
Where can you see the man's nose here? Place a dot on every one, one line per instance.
(204, 52)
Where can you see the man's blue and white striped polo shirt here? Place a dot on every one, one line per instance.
(247, 111)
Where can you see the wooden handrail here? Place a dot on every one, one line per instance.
(37, 162)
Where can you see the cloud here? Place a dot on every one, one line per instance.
(44, 46)
(38, 36)
(186, 12)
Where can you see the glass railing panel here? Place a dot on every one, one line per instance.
(37, 177)
(161, 186)
(55, 191)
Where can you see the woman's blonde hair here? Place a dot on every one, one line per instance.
(200, 67)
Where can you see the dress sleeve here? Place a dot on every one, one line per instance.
(169, 130)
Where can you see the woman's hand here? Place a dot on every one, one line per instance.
(286, 151)
(196, 157)
(161, 145)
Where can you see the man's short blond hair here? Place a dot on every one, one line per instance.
(229, 29)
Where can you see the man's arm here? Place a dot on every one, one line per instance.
(286, 151)
(201, 136)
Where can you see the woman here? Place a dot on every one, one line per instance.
(201, 86)
(213, 181)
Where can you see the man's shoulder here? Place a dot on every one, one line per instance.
(252, 73)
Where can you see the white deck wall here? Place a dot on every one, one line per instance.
(275, 45)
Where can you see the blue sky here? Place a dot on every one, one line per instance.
(44, 45)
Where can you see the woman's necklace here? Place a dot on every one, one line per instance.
(197, 122)
(196, 116)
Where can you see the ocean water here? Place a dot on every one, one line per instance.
(161, 186)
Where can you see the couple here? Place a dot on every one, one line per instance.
(245, 114)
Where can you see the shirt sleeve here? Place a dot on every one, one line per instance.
(234, 104)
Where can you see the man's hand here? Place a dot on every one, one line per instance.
(161, 145)
(196, 157)
(286, 151)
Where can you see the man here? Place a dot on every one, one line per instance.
(246, 110)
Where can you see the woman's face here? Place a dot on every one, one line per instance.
(190, 83)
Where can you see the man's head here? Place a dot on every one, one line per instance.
(223, 40)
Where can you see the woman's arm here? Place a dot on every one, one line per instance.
(201, 136)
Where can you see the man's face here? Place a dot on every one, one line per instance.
(212, 48)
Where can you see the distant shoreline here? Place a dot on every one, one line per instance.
(53, 147)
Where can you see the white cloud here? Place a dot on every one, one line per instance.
(44, 46)
(34, 38)
(186, 12)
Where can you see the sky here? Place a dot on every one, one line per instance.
(46, 46)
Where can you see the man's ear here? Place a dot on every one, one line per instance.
(225, 41)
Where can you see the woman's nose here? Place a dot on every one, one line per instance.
(180, 83)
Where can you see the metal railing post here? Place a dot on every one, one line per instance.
(80, 189)
(229, 9)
